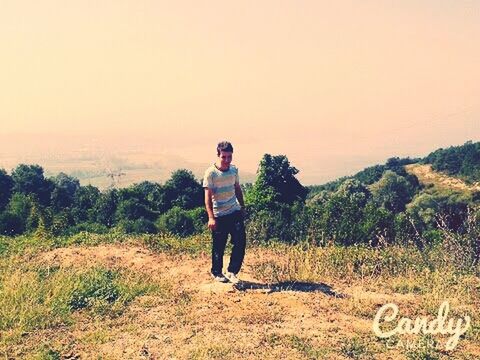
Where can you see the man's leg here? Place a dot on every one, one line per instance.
(237, 230)
(219, 240)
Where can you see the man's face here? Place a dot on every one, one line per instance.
(225, 158)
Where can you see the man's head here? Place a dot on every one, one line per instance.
(224, 146)
(224, 153)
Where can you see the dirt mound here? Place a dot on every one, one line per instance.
(208, 320)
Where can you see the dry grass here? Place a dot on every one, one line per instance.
(427, 176)
(186, 316)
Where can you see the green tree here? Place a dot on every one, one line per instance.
(11, 224)
(84, 201)
(378, 224)
(29, 179)
(137, 226)
(133, 209)
(343, 213)
(63, 193)
(176, 221)
(152, 193)
(392, 192)
(182, 190)
(21, 206)
(106, 207)
(428, 209)
(6, 186)
(275, 183)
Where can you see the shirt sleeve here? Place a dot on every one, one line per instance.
(207, 180)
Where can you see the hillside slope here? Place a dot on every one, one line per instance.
(427, 176)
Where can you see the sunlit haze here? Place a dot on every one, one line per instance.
(334, 85)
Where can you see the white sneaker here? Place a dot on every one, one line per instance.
(220, 278)
(232, 277)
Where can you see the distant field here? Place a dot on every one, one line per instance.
(121, 170)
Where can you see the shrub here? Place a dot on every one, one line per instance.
(97, 285)
(178, 221)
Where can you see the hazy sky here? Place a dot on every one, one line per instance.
(334, 85)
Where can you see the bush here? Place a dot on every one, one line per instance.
(282, 222)
(97, 285)
(90, 227)
(139, 226)
(178, 221)
(11, 224)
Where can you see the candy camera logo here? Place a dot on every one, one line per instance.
(440, 325)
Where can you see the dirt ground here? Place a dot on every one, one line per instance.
(207, 320)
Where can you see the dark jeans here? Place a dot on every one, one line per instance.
(229, 224)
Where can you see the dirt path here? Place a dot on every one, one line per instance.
(426, 175)
(207, 320)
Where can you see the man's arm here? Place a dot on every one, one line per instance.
(239, 195)
(209, 208)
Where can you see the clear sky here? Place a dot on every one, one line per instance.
(334, 85)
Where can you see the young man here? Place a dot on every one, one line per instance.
(225, 208)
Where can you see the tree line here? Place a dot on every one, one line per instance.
(380, 204)
(59, 205)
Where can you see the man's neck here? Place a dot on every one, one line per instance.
(219, 168)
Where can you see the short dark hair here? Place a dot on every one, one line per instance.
(224, 146)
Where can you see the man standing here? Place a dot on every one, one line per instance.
(225, 208)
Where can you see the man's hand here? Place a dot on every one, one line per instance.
(242, 210)
(209, 208)
(212, 223)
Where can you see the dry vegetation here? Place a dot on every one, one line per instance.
(427, 176)
(152, 298)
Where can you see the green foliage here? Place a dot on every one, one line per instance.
(275, 183)
(84, 201)
(463, 161)
(428, 208)
(6, 186)
(47, 353)
(371, 174)
(182, 190)
(392, 192)
(133, 209)
(181, 222)
(29, 179)
(44, 297)
(90, 227)
(97, 285)
(380, 204)
(462, 249)
(284, 223)
(11, 224)
(137, 226)
(64, 190)
(25, 208)
(378, 225)
(106, 206)
(342, 217)
(152, 194)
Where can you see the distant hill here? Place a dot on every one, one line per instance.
(461, 161)
(455, 168)
(427, 176)
(368, 175)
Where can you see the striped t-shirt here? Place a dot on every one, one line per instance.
(222, 185)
